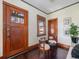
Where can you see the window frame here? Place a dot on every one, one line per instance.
(43, 19)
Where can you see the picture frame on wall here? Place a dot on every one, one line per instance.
(67, 21)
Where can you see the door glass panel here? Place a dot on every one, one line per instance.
(13, 18)
(17, 18)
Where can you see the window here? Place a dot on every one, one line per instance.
(41, 25)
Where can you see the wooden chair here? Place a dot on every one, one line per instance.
(44, 48)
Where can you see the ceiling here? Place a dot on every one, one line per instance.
(48, 6)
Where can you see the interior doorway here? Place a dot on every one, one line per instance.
(53, 29)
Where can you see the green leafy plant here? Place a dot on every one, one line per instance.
(73, 31)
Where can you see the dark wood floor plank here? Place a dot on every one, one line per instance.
(57, 53)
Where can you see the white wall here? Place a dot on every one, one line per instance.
(1, 28)
(73, 12)
(33, 39)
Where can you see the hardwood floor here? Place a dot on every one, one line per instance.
(57, 53)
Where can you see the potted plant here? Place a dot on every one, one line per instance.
(73, 31)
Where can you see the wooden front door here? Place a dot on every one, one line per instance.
(15, 30)
(52, 29)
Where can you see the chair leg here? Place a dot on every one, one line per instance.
(41, 54)
(47, 55)
(44, 54)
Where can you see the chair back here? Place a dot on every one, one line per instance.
(42, 42)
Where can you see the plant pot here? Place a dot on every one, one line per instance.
(74, 39)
